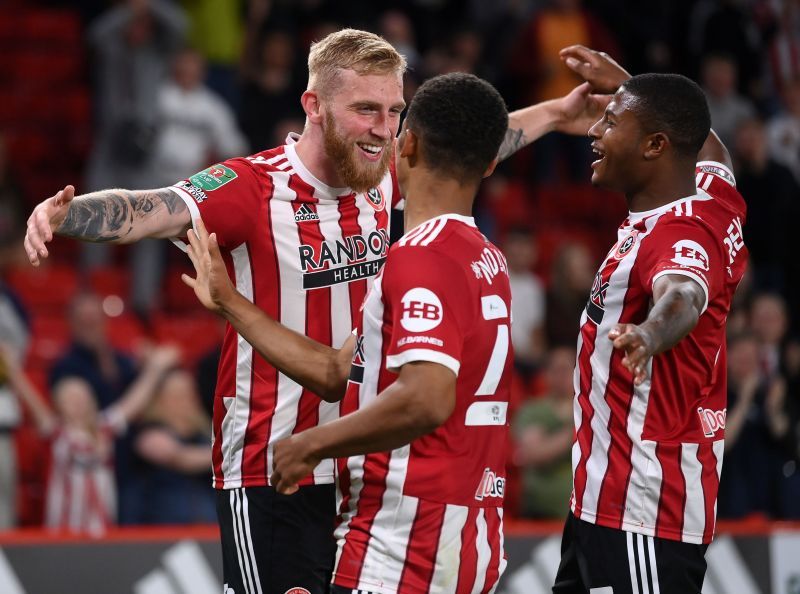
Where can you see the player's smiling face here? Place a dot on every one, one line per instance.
(361, 120)
(616, 139)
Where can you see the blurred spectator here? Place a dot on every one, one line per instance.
(527, 301)
(728, 108)
(173, 445)
(91, 355)
(727, 27)
(770, 322)
(14, 333)
(783, 413)
(784, 131)
(108, 371)
(272, 80)
(195, 128)
(544, 432)
(539, 75)
(769, 190)
(206, 374)
(216, 30)
(132, 45)
(747, 482)
(81, 491)
(396, 28)
(780, 22)
(571, 278)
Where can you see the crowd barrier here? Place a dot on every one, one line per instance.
(751, 557)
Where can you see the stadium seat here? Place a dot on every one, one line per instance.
(49, 340)
(109, 280)
(47, 289)
(196, 334)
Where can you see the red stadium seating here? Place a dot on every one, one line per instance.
(49, 340)
(196, 334)
(48, 288)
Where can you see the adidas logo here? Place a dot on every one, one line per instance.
(304, 213)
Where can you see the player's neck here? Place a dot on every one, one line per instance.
(429, 196)
(671, 185)
(311, 152)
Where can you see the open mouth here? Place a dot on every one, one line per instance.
(597, 151)
(371, 151)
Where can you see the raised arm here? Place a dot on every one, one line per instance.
(113, 216)
(572, 114)
(605, 75)
(318, 367)
(421, 399)
(43, 416)
(678, 302)
(714, 150)
(139, 394)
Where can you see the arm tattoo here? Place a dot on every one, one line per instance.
(112, 215)
(514, 140)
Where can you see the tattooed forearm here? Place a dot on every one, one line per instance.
(514, 140)
(122, 216)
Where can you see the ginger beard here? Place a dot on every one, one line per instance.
(358, 174)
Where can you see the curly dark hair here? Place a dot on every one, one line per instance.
(461, 121)
(674, 105)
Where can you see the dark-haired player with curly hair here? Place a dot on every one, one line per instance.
(421, 453)
(650, 387)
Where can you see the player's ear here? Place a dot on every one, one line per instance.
(490, 169)
(312, 106)
(655, 145)
(408, 145)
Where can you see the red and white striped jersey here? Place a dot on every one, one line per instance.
(303, 252)
(81, 488)
(647, 458)
(428, 517)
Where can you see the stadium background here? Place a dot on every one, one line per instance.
(539, 206)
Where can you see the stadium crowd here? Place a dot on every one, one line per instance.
(188, 83)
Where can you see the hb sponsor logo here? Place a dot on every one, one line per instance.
(712, 420)
(422, 310)
(690, 254)
(491, 485)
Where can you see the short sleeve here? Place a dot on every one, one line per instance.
(425, 293)
(227, 196)
(712, 172)
(684, 246)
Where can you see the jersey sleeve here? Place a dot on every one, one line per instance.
(708, 173)
(685, 246)
(425, 295)
(227, 197)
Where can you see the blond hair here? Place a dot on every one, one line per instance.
(360, 51)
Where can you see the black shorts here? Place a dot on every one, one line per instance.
(273, 543)
(600, 560)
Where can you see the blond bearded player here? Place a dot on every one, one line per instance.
(303, 229)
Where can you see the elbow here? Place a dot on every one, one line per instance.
(429, 411)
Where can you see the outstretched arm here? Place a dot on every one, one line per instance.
(142, 391)
(316, 366)
(113, 216)
(572, 114)
(678, 302)
(421, 399)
